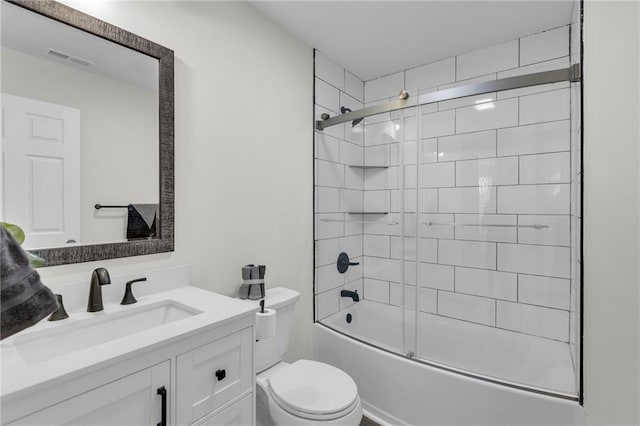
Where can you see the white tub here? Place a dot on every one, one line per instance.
(397, 390)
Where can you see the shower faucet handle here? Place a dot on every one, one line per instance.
(344, 263)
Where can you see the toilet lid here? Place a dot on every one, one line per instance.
(314, 388)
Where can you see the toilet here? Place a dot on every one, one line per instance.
(302, 393)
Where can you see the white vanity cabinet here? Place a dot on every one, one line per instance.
(203, 364)
(131, 400)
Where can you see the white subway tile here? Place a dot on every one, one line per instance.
(428, 249)
(473, 254)
(327, 148)
(383, 133)
(354, 86)
(351, 200)
(358, 286)
(351, 227)
(544, 291)
(429, 150)
(435, 276)
(427, 299)
(410, 176)
(354, 134)
(395, 294)
(351, 154)
(557, 233)
(376, 155)
(410, 129)
(410, 272)
(327, 200)
(492, 115)
(429, 200)
(354, 272)
(328, 277)
(544, 46)
(438, 124)
(496, 58)
(329, 71)
(436, 225)
(376, 245)
(486, 232)
(410, 201)
(350, 102)
(379, 224)
(535, 260)
(376, 290)
(329, 174)
(438, 175)
(467, 101)
(469, 308)
(487, 172)
(384, 87)
(432, 75)
(376, 201)
(545, 168)
(534, 139)
(544, 322)
(382, 269)
(467, 200)
(327, 304)
(353, 178)
(494, 284)
(533, 199)
(327, 96)
(467, 146)
(326, 251)
(547, 106)
(351, 245)
(330, 229)
(376, 179)
(410, 150)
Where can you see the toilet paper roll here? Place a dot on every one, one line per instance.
(265, 324)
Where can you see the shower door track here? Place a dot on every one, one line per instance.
(572, 74)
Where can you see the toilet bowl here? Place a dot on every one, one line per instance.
(305, 392)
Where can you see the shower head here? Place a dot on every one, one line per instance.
(355, 122)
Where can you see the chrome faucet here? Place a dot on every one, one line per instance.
(99, 277)
(352, 294)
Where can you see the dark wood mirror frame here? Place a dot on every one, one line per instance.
(165, 242)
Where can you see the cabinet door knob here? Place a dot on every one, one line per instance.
(221, 374)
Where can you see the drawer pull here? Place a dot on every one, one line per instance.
(221, 374)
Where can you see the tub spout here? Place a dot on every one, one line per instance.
(352, 294)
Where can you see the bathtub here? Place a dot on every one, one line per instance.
(397, 390)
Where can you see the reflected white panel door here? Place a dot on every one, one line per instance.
(41, 170)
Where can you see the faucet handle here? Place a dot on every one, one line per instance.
(60, 313)
(128, 298)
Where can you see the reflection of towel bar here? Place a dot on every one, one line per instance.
(100, 206)
(536, 226)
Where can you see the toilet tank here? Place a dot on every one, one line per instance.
(270, 351)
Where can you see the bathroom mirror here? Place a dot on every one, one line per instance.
(87, 135)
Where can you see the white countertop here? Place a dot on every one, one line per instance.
(19, 375)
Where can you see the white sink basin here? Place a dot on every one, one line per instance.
(64, 338)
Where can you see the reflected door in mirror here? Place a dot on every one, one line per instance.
(41, 170)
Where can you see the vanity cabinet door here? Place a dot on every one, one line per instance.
(213, 374)
(131, 400)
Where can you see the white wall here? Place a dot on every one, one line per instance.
(611, 213)
(118, 136)
(243, 91)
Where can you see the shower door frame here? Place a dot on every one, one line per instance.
(572, 74)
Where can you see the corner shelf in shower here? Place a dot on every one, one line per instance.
(368, 167)
(368, 212)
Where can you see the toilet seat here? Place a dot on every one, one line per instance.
(314, 390)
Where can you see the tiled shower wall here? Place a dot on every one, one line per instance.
(339, 187)
(497, 159)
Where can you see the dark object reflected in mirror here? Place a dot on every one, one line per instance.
(90, 234)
